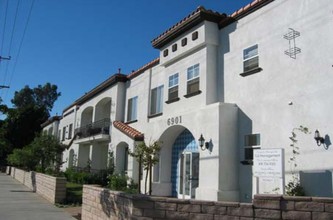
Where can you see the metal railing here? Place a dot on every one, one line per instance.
(95, 128)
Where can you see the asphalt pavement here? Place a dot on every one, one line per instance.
(17, 202)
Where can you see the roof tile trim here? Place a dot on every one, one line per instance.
(144, 68)
(199, 14)
(129, 131)
(247, 8)
(99, 88)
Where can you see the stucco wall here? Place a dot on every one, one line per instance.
(288, 92)
(99, 203)
(51, 188)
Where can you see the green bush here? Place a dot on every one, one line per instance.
(294, 188)
(117, 182)
(83, 177)
(120, 183)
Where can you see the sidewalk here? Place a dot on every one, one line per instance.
(18, 202)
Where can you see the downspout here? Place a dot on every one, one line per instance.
(149, 91)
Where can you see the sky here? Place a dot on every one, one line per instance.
(77, 44)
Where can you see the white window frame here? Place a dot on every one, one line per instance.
(251, 53)
(173, 83)
(248, 144)
(132, 109)
(158, 102)
(195, 75)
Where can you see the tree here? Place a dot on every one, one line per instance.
(147, 157)
(40, 97)
(43, 152)
(22, 123)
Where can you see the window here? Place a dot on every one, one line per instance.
(70, 130)
(173, 87)
(251, 58)
(195, 35)
(59, 134)
(156, 100)
(193, 79)
(132, 109)
(174, 47)
(63, 133)
(184, 42)
(165, 52)
(250, 141)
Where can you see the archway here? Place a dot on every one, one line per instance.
(121, 163)
(185, 166)
(177, 142)
(103, 109)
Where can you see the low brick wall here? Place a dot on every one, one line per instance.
(99, 203)
(51, 188)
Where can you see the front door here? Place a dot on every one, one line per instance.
(188, 174)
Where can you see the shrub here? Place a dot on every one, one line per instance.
(120, 183)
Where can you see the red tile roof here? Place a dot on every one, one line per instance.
(98, 89)
(250, 8)
(144, 68)
(129, 131)
(193, 19)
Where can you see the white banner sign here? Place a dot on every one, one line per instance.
(268, 163)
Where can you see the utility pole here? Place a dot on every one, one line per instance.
(4, 58)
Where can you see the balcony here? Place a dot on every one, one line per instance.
(96, 131)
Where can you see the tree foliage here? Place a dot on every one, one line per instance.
(43, 152)
(40, 97)
(32, 107)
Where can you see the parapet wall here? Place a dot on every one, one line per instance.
(99, 203)
(51, 188)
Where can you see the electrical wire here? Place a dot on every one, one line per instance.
(11, 40)
(4, 28)
(20, 46)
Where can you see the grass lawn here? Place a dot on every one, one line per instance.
(74, 193)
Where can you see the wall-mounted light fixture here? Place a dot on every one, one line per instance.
(203, 145)
(320, 140)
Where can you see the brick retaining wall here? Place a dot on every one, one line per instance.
(51, 188)
(99, 203)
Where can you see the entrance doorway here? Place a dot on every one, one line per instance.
(185, 166)
(188, 175)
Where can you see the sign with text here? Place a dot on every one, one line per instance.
(268, 163)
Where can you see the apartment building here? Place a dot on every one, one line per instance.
(236, 82)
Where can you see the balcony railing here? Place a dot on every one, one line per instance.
(98, 127)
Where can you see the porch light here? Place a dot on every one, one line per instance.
(320, 140)
(203, 145)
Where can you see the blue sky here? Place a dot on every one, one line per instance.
(77, 44)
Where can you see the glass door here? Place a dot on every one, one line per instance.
(188, 175)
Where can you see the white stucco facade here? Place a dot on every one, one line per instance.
(226, 105)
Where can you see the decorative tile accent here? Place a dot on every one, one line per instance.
(185, 142)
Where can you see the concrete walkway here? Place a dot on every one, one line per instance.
(17, 202)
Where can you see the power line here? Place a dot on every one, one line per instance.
(4, 27)
(11, 39)
(20, 46)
